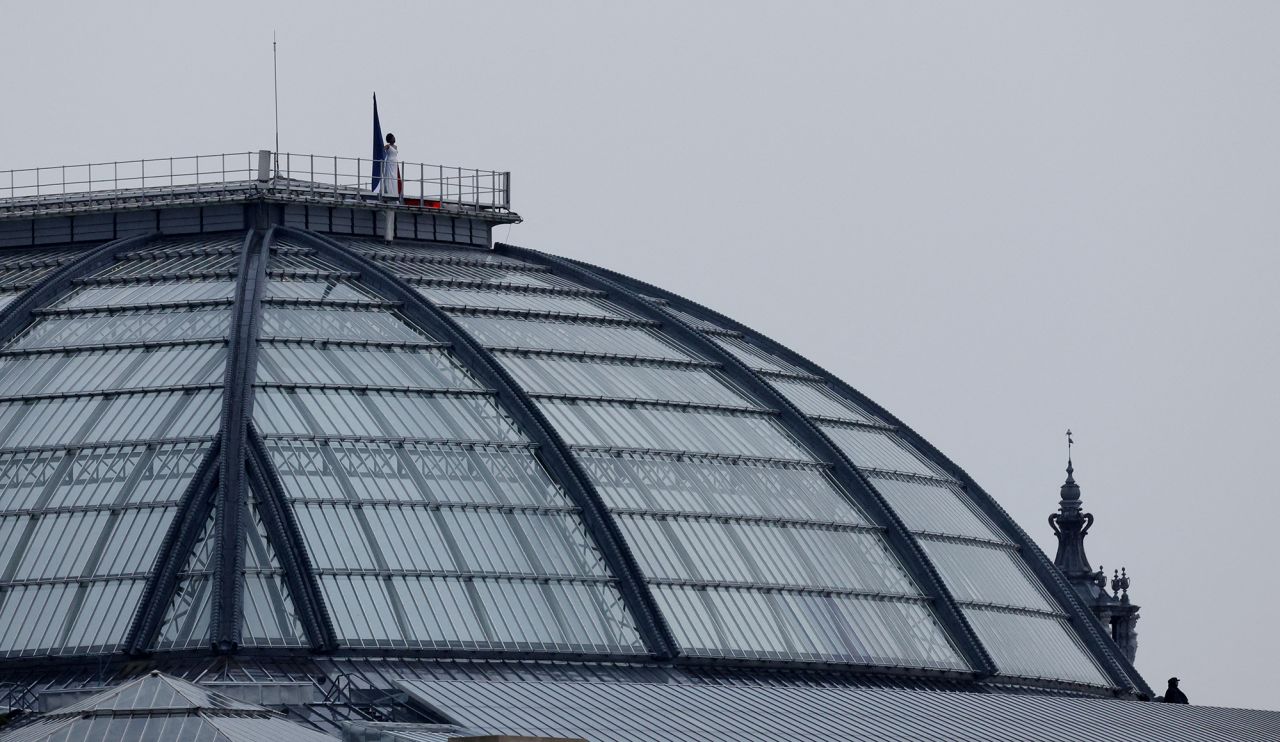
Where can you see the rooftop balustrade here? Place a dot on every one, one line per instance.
(234, 176)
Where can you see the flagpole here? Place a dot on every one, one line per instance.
(275, 89)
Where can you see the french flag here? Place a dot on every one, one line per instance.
(379, 152)
(377, 146)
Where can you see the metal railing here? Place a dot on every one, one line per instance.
(201, 178)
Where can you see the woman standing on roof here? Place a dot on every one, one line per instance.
(390, 185)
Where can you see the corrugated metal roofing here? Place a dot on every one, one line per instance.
(636, 712)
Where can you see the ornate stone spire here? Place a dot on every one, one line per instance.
(1071, 525)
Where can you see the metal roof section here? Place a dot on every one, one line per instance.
(160, 707)
(638, 712)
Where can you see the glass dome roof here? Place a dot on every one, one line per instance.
(280, 440)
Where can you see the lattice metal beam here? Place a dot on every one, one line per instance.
(237, 410)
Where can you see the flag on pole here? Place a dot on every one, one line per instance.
(377, 145)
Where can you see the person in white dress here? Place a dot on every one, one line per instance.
(389, 186)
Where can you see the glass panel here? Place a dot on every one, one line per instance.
(227, 262)
(361, 610)
(39, 619)
(443, 612)
(126, 417)
(935, 507)
(550, 375)
(879, 450)
(132, 327)
(156, 474)
(453, 297)
(307, 261)
(695, 485)
(388, 472)
(348, 413)
(335, 324)
(373, 500)
(92, 477)
(493, 275)
(816, 399)
(1034, 646)
(186, 622)
(565, 336)
(8, 297)
(105, 616)
(13, 259)
(762, 553)
(330, 290)
(596, 424)
(434, 251)
(270, 617)
(323, 526)
(692, 321)
(985, 574)
(108, 537)
(329, 364)
(149, 293)
(754, 357)
(130, 368)
(95, 543)
(805, 626)
(25, 277)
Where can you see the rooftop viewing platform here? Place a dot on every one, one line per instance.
(285, 177)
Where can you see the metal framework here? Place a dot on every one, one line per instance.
(237, 410)
(238, 459)
(552, 449)
(1100, 645)
(915, 561)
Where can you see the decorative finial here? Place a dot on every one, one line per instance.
(1070, 490)
(1120, 582)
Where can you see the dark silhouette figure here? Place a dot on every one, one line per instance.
(1173, 695)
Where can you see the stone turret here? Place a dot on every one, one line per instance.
(1071, 524)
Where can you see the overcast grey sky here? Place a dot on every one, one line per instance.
(997, 219)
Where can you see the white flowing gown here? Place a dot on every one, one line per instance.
(389, 186)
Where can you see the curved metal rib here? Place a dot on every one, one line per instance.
(866, 498)
(1102, 647)
(553, 450)
(21, 313)
(237, 408)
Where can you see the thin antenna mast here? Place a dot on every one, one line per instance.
(275, 88)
